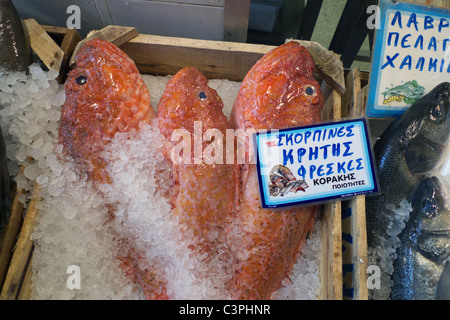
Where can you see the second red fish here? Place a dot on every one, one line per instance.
(278, 92)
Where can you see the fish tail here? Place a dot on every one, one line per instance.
(147, 279)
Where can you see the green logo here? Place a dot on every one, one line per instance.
(409, 92)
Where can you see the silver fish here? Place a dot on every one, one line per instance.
(410, 147)
(425, 246)
(15, 52)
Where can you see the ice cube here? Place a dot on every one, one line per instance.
(59, 98)
(32, 171)
(52, 74)
(33, 87)
(37, 72)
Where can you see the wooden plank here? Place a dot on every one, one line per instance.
(216, 59)
(348, 94)
(358, 204)
(25, 290)
(9, 236)
(115, 34)
(330, 268)
(61, 31)
(354, 109)
(69, 43)
(22, 254)
(359, 252)
(43, 45)
(355, 258)
(351, 246)
(331, 257)
(332, 106)
(68, 39)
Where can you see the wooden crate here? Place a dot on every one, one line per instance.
(161, 56)
(354, 233)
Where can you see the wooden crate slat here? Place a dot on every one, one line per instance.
(354, 221)
(216, 59)
(43, 45)
(68, 45)
(330, 258)
(9, 236)
(22, 254)
(53, 56)
(331, 231)
(117, 35)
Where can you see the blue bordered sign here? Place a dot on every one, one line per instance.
(314, 163)
(411, 56)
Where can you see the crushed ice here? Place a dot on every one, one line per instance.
(73, 228)
(385, 255)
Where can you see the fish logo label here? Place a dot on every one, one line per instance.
(315, 163)
(412, 45)
(408, 92)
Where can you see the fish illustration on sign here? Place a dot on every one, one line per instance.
(282, 181)
(409, 92)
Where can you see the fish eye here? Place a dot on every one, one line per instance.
(436, 112)
(81, 79)
(430, 207)
(309, 90)
(443, 96)
(202, 95)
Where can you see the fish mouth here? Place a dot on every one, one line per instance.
(437, 233)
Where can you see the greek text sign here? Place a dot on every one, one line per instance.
(315, 163)
(411, 56)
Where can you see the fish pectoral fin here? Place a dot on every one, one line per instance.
(422, 154)
(434, 245)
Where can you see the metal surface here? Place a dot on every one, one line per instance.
(169, 19)
(236, 20)
(199, 19)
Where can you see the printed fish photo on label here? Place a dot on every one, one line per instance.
(283, 181)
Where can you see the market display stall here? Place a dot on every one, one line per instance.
(101, 209)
